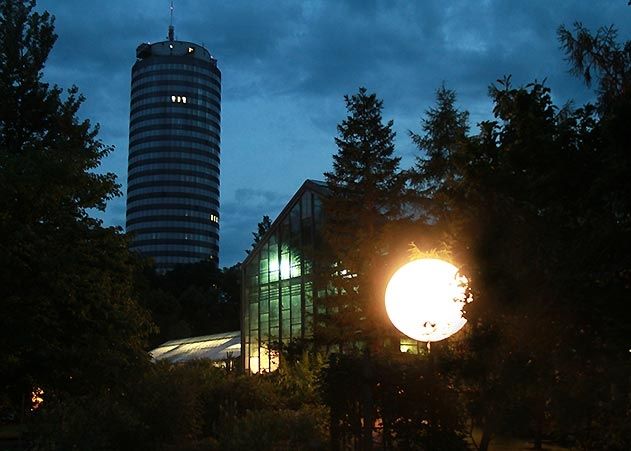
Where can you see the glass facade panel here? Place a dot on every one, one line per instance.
(278, 280)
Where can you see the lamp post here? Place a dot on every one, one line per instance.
(424, 300)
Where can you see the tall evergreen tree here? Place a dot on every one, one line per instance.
(366, 193)
(444, 134)
(365, 196)
(68, 319)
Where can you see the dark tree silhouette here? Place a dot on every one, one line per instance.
(533, 209)
(191, 300)
(598, 56)
(366, 192)
(69, 322)
(365, 196)
(261, 230)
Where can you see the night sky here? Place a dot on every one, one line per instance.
(286, 65)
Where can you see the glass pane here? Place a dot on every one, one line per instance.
(284, 266)
(306, 232)
(264, 361)
(285, 296)
(273, 310)
(295, 222)
(254, 316)
(318, 218)
(296, 307)
(264, 306)
(296, 330)
(274, 261)
(264, 326)
(306, 205)
(286, 328)
(252, 272)
(295, 263)
(284, 233)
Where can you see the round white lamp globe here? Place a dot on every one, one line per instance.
(424, 299)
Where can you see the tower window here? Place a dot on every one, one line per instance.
(214, 218)
(178, 99)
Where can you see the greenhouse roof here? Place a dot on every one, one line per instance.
(207, 347)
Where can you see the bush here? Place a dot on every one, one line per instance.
(302, 429)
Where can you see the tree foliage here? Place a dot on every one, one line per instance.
(261, 230)
(445, 129)
(365, 192)
(187, 406)
(415, 402)
(68, 317)
(532, 209)
(598, 56)
(193, 299)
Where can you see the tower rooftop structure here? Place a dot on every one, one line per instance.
(174, 48)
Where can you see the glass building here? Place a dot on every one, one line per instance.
(279, 285)
(174, 145)
(278, 288)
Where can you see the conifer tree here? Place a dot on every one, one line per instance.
(366, 195)
(445, 130)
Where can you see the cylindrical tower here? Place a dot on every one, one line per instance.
(173, 166)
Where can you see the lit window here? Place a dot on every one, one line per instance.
(171, 46)
(183, 99)
(172, 98)
(214, 218)
(191, 50)
(284, 266)
(179, 99)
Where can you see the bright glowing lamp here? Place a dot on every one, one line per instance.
(424, 299)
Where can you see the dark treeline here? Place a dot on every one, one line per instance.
(191, 300)
(533, 206)
(535, 210)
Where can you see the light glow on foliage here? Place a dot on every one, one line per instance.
(424, 299)
(37, 398)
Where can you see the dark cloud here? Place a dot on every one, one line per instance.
(240, 215)
(286, 66)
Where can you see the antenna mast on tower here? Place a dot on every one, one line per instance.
(171, 29)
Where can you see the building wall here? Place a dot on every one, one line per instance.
(277, 301)
(174, 154)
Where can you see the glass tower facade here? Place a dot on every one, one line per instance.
(174, 154)
(278, 288)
